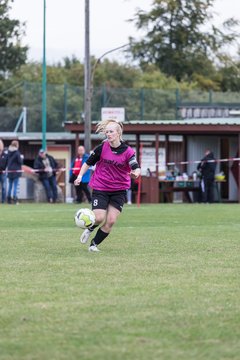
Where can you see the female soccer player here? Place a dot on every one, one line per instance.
(115, 163)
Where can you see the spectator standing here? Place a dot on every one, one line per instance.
(77, 163)
(207, 168)
(129, 196)
(115, 162)
(46, 167)
(133, 189)
(3, 166)
(14, 171)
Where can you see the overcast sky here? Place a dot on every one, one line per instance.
(108, 25)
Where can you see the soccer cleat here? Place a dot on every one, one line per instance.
(85, 236)
(93, 248)
(15, 200)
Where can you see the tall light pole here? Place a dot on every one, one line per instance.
(44, 81)
(87, 82)
(88, 79)
(98, 61)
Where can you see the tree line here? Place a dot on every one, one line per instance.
(182, 49)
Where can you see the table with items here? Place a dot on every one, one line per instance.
(190, 190)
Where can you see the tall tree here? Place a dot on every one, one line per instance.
(180, 38)
(11, 31)
(230, 74)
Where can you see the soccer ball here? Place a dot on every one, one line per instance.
(84, 218)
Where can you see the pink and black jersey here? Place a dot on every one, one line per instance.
(113, 166)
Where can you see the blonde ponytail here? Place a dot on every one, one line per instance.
(101, 126)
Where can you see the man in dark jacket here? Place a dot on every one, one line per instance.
(207, 168)
(3, 166)
(46, 167)
(14, 170)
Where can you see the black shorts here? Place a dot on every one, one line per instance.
(101, 199)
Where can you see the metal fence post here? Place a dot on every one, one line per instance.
(65, 102)
(142, 104)
(177, 102)
(210, 96)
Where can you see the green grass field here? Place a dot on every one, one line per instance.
(165, 285)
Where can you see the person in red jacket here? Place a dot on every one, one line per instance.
(77, 163)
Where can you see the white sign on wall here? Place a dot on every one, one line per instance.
(113, 114)
(149, 160)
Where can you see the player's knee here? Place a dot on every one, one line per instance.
(110, 222)
(99, 218)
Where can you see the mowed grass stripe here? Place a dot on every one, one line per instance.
(165, 285)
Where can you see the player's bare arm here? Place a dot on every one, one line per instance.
(84, 168)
